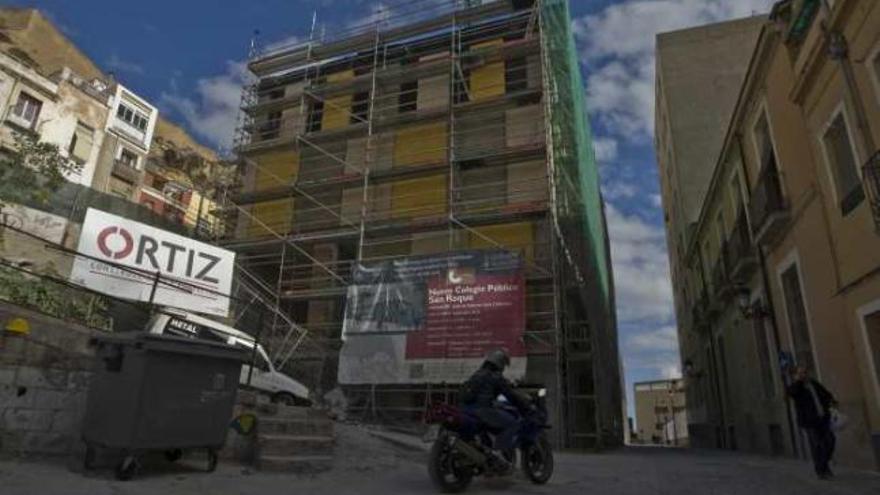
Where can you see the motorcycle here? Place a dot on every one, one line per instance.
(463, 446)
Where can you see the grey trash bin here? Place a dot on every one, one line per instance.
(160, 392)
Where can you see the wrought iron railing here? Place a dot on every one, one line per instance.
(871, 177)
(740, 248)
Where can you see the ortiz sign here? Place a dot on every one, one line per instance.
(432, 319)
(193, 275)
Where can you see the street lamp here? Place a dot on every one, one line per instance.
(747, 308)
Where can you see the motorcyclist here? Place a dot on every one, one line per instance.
(479, 395)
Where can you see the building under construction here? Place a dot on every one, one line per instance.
(437, 127)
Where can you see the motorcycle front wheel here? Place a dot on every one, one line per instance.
(537, 461)
(445, 468)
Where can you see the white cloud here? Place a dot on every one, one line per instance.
(214, 113)
(641, 269)
(114, 62)
(617, 45)
(605, 149)
(657, 200)
(664, 338)
(618, 190)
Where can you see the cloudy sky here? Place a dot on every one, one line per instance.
(187, 57)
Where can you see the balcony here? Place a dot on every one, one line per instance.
(126, 172)
(741, 259)
(871, 177)
(722, 287)
(769, 210)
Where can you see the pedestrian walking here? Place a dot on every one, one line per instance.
(814, 405)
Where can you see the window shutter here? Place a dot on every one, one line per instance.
(82, 149)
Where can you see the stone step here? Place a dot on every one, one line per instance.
(274, 445)
(295, 463)
(295, 426)
(282, 411)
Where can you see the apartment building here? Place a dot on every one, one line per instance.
(699, 74)
(661, 416)
(432, 133)
(126, 148)
(782, 263)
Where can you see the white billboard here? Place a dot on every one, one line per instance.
(194, 276)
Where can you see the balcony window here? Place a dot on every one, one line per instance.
(132, 117)
(27, 109)
(841, 158)
(128, 159)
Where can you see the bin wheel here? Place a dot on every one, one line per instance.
(173, 455)
(127, 468)
(89, 458)
(212, 460)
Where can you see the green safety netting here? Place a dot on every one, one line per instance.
(572, 145)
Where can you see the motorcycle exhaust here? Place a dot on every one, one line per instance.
(476, 457)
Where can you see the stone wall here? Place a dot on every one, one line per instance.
(44, 376)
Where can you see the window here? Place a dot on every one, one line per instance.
(840, 154)
(797, 317)
(870, 322)
(764, 142)
(27, 108)
(316, 114)
(408, 97)
(722, 229)
(874, 68)
(128, 158)
(132, 117)
(80, 147)
(270, 128)
(516, 75)
(360, 107)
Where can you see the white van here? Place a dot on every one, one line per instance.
(265, 378)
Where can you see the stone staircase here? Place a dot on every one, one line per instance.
(293, 439)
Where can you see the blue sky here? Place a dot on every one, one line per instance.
(186, 57)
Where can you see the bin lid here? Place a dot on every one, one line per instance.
(171, 343)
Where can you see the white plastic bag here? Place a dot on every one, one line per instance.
(838, 420)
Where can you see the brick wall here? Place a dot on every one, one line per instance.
(44, 376)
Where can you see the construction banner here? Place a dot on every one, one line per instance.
(135, 261)
(432, 319)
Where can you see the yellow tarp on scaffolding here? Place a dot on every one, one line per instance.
(337, 110)
(487, 81)
(519, 236)
(420, 145)
(274, 170)
(419, 197)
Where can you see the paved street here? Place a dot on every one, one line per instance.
(626, 472)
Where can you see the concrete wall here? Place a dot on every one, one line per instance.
(44, 376)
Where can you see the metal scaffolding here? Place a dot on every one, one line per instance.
(433, 128)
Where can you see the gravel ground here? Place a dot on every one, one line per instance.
(367, 465)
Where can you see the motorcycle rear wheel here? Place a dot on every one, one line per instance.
(537, 461)
(445, 472)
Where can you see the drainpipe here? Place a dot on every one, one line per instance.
(768, 296)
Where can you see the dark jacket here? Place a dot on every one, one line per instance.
(484, 386)
(808, 415)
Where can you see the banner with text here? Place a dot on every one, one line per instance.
(192, 275)
(432, 319)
